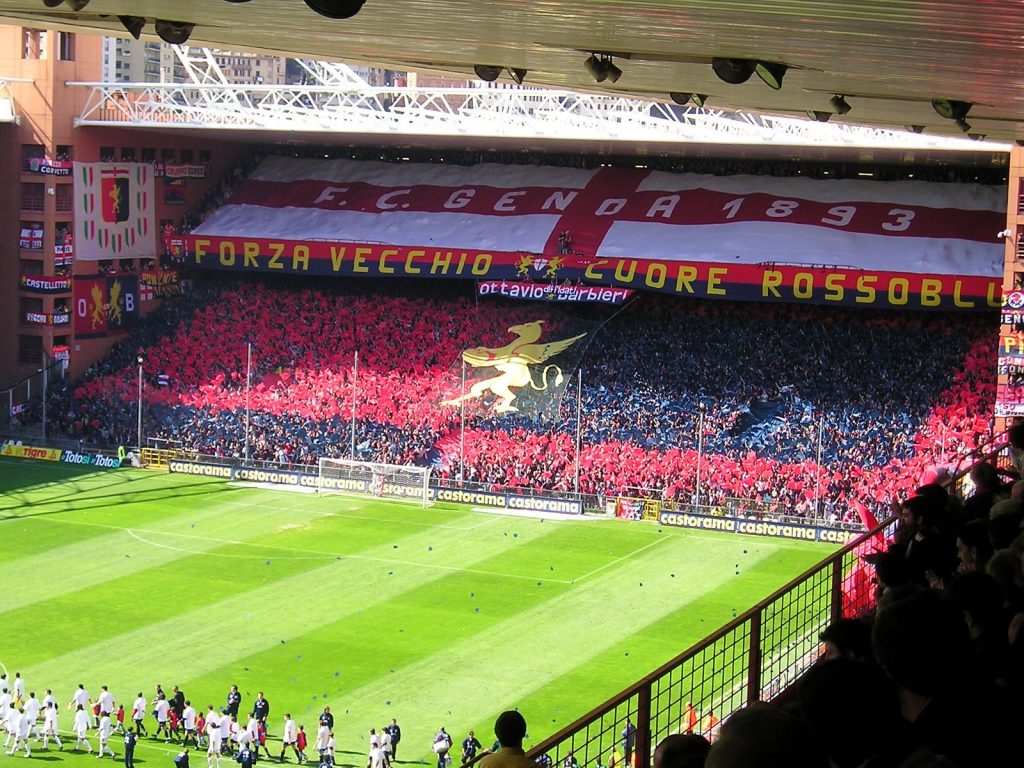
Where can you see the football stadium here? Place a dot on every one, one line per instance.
(354, 413)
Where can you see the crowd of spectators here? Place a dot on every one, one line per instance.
(883, 397)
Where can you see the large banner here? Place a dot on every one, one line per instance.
(910, 244)
(834, 286)
(105, 304)
(114, 211)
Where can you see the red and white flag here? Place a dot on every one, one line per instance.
(906, 227)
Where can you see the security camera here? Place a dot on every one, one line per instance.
(1006, 233)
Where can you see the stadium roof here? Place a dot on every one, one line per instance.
(888, 60)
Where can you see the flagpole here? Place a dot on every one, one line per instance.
(817, 472)
(355, 376)
(45, 362)
(248, 387)
(700, 454)
(579, 422)
(462, 429)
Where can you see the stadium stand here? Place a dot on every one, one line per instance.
(891, 392)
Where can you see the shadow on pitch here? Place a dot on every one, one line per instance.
(60, 504)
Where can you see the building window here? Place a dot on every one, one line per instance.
(32, 197)
(148, 155)
(65, 198)
(107, 154)
(33, 43)
(186, 155)
(204, 156)
(30, 348)
(167, 155)
(31, 155)
(64, 152)
(127, 154)
(66, 46)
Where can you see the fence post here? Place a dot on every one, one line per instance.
(837, 588)
(642, 756)
(754, 658)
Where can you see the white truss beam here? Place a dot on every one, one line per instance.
(8, 110)
(338, 101)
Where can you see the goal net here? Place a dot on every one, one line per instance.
(386, 481)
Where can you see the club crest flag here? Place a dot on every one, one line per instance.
(114, 211)
(525, 376)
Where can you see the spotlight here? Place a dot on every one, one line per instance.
(614, 73)
(951, 109)
(819, 116)
(771, 73)
(133, 24)
(700, 99)
(840, 104)
(597, 68)
(914, 128)
(52, 3)
(487, 72)
(336, 9)
(733, 71)
(76, 5)
(682, 99)
(517, 75)
(962, 124)
(173, 32)
(977, 136)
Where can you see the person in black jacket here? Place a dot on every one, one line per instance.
(396, 736)
(261, 708)
(326, 718)
(234, 701)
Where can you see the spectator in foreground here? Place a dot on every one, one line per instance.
(681, 750)
(510, 729)
(763, 736)
(834, 697)
(847, 638)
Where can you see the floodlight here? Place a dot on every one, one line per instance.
(771, 73)
(133, 24)
(336, 9)
(487, 72)
(597, 68)
(840, 104)
(517, 75)
(173, 32)
(733, 71)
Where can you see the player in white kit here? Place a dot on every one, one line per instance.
(213, 732)
(50, 713)
(82, 728)
(104, 732)
(32, 707)
(21, 727)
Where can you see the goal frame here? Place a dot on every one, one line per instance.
(417, 479)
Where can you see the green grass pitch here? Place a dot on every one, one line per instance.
(438, 616)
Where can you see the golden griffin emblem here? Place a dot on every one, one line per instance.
(513, 361)
(115, 303)
(98, 308)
